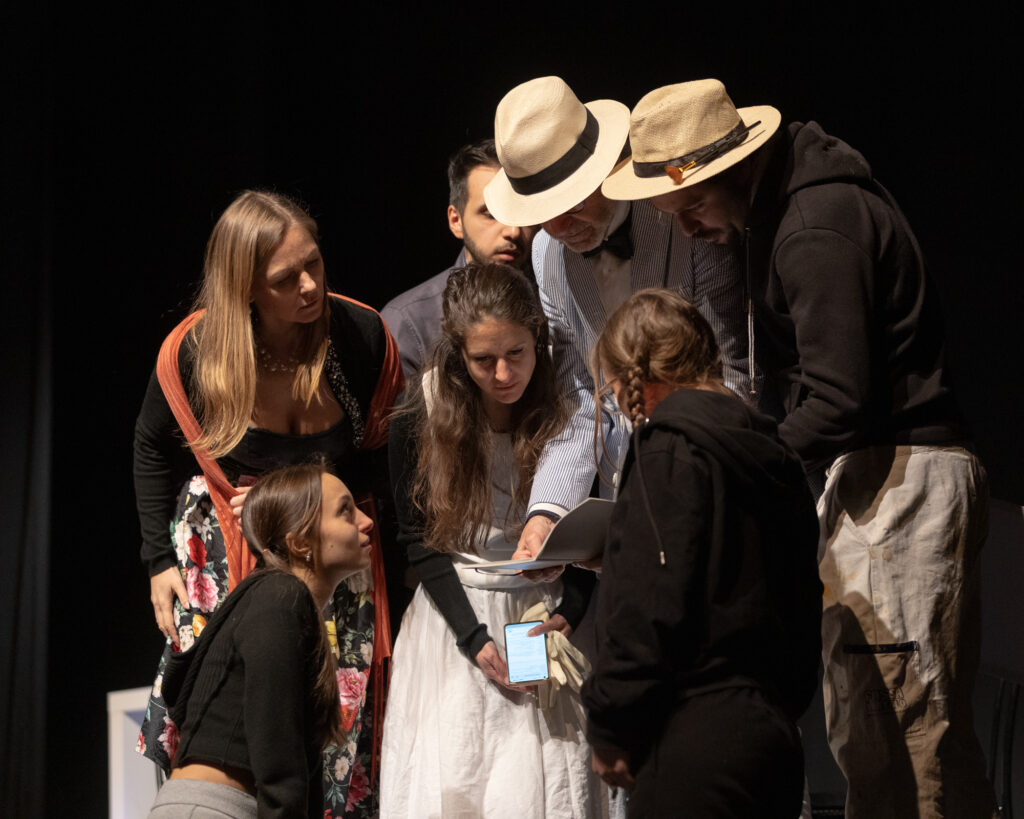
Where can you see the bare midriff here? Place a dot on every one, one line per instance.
(232, 777)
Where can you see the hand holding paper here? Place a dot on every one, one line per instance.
(579, 536)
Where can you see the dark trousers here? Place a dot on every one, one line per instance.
(728, 753)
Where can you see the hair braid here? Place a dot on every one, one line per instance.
(635, 394)
(655, 337)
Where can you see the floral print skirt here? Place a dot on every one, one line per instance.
(202, 560)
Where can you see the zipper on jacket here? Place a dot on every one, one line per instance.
(748, 286)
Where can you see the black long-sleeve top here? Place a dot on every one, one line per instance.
(848, 318)
(243, 695)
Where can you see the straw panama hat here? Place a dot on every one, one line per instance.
(685, 133)
(554, 150)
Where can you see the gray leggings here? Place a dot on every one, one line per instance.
(195, 799)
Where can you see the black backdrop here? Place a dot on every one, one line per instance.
(130, 131)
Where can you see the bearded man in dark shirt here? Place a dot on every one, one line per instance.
(850, 335)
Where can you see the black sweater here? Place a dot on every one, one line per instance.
(242, 696)
(848, 319)
(736, 601)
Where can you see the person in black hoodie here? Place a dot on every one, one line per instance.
(850, 336)
(709, 604)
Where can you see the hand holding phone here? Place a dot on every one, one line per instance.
(526, 656)
(490, 661)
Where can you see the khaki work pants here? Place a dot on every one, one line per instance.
(902, 529)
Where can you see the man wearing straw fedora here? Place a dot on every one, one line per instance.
(849, 330)
(592, 254)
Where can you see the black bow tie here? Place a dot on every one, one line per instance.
(619, 243)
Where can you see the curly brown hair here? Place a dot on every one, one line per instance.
(452, 482)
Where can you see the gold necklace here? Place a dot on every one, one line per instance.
(271, 363)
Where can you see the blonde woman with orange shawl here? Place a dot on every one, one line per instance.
(270, 370)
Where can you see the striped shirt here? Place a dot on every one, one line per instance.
(707, 275)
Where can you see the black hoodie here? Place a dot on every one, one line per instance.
(736, 600)
(848, 320)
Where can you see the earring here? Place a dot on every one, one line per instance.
(309, 557)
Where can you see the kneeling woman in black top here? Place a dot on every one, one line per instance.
(709, 604)
(257, 697)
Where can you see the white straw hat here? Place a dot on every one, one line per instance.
(554, 150)
(685, 133)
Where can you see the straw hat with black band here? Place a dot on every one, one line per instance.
(554, 150)
(685, 133)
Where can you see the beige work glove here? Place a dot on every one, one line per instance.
(566, 665)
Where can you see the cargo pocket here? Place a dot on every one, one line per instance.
(886, 690)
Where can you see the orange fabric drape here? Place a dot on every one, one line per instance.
(390, 384)
(240, 560)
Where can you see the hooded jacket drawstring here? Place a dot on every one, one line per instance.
(643, 489)
(750, 316)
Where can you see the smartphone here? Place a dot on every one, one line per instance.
(527, 657)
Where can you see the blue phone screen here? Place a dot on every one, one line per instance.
(527, 657)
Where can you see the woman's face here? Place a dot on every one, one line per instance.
(500, 357)
(291, 289)
(344, 546)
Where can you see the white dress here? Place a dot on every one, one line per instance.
(458, 746)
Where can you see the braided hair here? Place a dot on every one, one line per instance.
(656, 336)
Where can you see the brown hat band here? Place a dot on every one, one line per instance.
(701, 156)
(563, 167)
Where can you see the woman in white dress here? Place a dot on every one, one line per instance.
(459, 740)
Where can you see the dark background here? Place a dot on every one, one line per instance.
(126, 134)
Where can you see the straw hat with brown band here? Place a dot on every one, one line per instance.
(554, 150)
(685, 133)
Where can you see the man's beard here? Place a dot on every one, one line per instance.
(481, 258)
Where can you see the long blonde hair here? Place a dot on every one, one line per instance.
(240, 246)
(656, 336)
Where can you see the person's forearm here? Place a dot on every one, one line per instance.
(441, 581)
